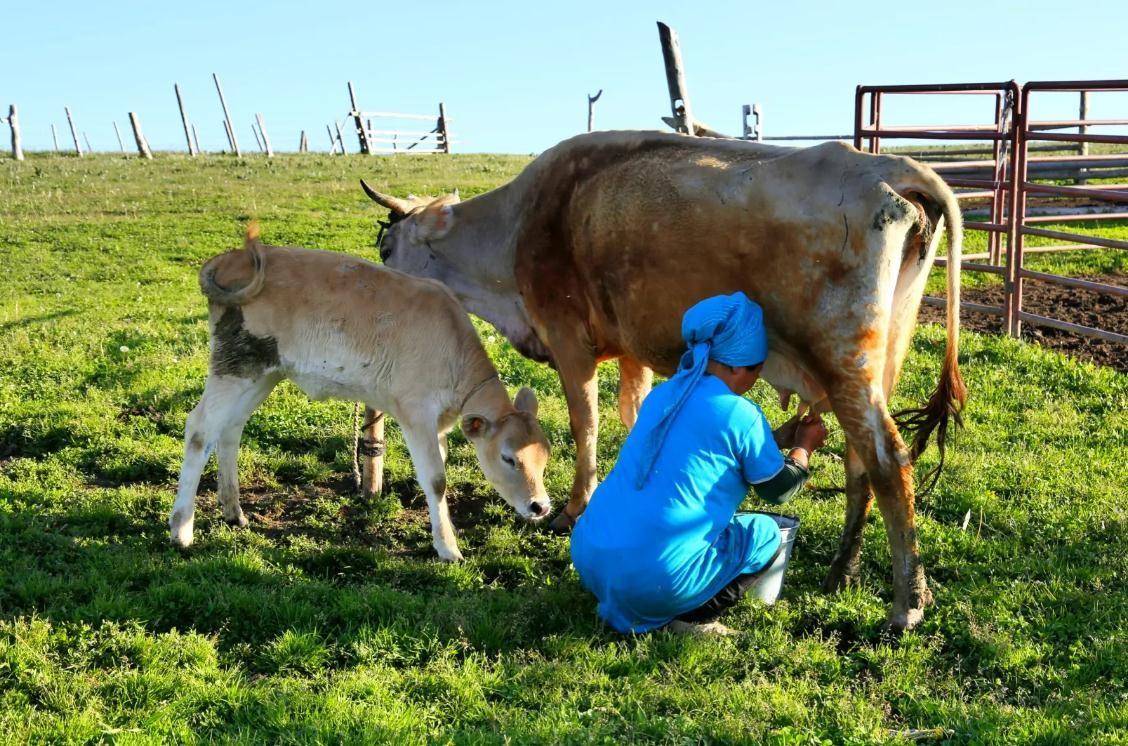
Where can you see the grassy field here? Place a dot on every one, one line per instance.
(330, 620)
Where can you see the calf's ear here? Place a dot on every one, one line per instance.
(475, 426)
(434, 222)
(526, 401)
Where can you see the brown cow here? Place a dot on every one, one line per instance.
(596, 249)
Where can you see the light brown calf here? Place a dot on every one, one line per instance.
(341, 327)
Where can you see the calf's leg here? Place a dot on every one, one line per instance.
(427, 455)
(217, 420)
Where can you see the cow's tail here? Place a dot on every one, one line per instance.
(947, 401)
(216, 293)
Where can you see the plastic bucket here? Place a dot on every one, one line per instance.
(770, 583)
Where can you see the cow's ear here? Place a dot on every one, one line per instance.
(475, 426)
(434, 222)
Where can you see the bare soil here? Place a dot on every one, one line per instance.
(1098, 310)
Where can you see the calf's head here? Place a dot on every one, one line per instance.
(513, 452)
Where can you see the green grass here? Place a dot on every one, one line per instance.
(332, 620)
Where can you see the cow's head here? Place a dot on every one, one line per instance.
(413, 223)
(513, 453)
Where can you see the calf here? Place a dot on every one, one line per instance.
(341, 327)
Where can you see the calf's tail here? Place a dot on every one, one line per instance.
(947, 402)
(252, 250)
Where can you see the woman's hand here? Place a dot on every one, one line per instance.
(810, 433)
(785, 434)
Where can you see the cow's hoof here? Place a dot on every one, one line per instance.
(180, 533)
(562, 523)
(903, 620)
(239, 521)
(839, 580)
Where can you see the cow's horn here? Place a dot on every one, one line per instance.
(394, 204)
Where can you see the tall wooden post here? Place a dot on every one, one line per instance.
(227, 117)
(340, 138)
(675, 79)
(443, 128)
(591, 108)
(184, 119)
(258, 140)
(142, 144)
(371, 449)
(55, 137)
(303, 143)
(361, 131)
(86, 139)
(230, 135)
(332, 140)
(121, 145)
(14, 123)
(74, 131)
(265, 137)
(196, 139)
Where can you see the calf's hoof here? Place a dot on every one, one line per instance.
(448, 554)
(562, 523)
(180, 533)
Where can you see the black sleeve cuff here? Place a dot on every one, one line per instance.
(783, 486)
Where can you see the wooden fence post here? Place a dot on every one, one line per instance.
(371, 449)
(14, 123)
(258, 141)
(74, 131)
(361, 132)
(303, 143)
(117, 132)
(332, 140)
(443, 128)
(55, 137)
(142, 145)
(591, 108)
(340, 138)
(86, 139)
(265, 137)
(227, 118)
(184, 119)
(675, 79)
(196, 139)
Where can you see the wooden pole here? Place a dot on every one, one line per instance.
(196, 139)
(591, 108)
(675, 79)
(227, 131)
(121, 145)
(55, 137)
(361, 132)
(14, 123)
(332, 140)
(443, 128)
(142, 144)
(86, 139)
(265, 137)
(184, 119)
(227, 117)
(74, 131)
(372, 451)
(254, 131)
(303, 143)
(340, 138)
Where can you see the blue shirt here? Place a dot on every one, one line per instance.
(653, 553)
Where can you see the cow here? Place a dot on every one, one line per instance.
(599, 245)
(342, 327)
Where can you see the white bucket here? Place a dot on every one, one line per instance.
(770, 583)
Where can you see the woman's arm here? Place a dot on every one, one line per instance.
(809, 435)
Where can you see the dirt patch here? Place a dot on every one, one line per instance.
(1085, 307)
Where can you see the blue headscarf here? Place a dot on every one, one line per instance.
(725, 328)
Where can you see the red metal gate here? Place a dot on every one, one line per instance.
(1006, 178)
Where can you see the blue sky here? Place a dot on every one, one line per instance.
(514, 75)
